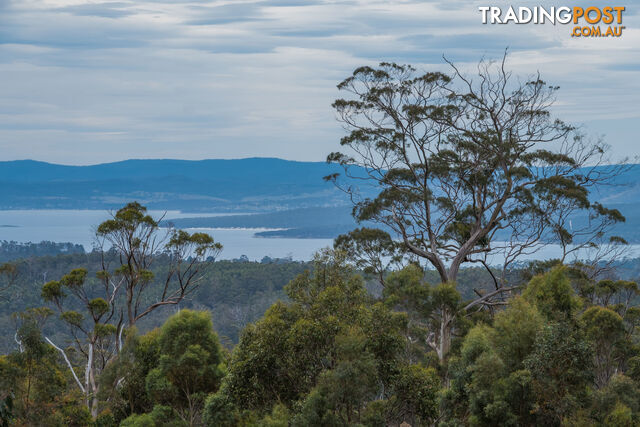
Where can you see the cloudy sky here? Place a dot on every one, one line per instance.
(90, 81)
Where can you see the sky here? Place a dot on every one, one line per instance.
(85, 82)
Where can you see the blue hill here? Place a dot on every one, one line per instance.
(253, 184)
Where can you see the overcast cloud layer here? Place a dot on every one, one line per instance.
(85, 82)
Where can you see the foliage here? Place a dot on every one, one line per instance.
(535, 363)
(371, 250)
(325, 356)
(11, 251)
(8, 275)
(125, 377)
(37, 382)
(334, 354)
(160, 416)
(188, 365)
(560, 367)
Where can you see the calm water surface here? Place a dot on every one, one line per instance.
(77, 226)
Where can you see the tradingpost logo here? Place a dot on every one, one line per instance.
(586, 21)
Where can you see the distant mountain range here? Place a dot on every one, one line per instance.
(255, 184)
(288, 195)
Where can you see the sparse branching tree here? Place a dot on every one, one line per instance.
(136, 237)
(469, 170)
(129, 291)
(94, 335)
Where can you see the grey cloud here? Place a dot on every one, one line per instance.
(625, 66)
(286, 3)
(225, 14)
(493, 44)
(195, 79)
(51, 29)
(103, 10)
